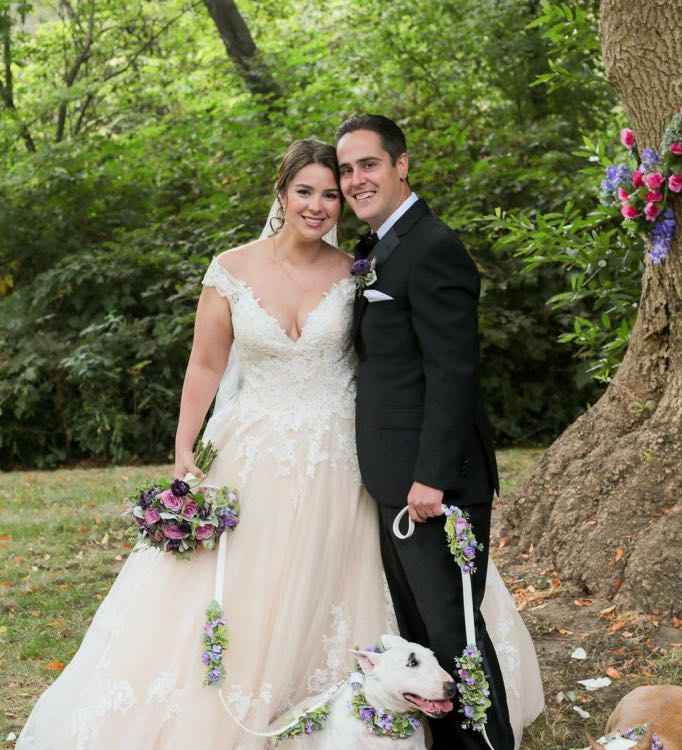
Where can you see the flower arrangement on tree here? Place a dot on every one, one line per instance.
(643, 193)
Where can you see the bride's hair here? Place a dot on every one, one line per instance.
(299, 155)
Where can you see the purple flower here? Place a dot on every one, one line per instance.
(179, 488)
(208, 629)
(650, 158)
(173, 531)
(470, 552)
(170, 500)
(366, 713)
(469, 712)
(308, 727)
(471, 652)
(205, 532)
(214, 675)
(151, 516)
(414, 723)
(360, 267)
(230, 520)
(217, 648)
(147, 496)
(385, 722)
(206, 658)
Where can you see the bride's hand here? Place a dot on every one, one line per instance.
(184, 464)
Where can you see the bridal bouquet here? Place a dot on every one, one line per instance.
(185, 516)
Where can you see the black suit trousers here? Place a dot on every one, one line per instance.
(426, 588)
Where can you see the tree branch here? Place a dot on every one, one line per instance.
(7, 86)
(242, 49)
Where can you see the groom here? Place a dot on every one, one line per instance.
(423, 437)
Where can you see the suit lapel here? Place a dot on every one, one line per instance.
(382, 252)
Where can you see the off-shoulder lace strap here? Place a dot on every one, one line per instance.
(222, 280)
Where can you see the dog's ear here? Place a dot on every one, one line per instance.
(367, 660)
(390, 641)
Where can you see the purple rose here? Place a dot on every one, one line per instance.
(190, 509)
(206, 658)
(179, 488)
(230, 520)
(214, 675)
(151, 516)
(470, 552)
(205, 532)
(171, 501)
(173, 531)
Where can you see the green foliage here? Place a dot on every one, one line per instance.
(164, 159)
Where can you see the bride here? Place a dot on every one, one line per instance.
(303, 578)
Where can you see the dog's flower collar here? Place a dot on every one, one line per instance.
(634, 735)
(397, 726)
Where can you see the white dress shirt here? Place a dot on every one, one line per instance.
(402, 208)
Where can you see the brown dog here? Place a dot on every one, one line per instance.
(657, 706)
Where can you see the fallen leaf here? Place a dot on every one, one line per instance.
(614, 627)
(613, 673)
(55, 666)
(608, 611)
(677, 622)
(583, 602)
(563, 631)
(619, 554)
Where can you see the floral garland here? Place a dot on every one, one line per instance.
(309, 722)
(216, 641)
(473, 686)
(397, 726)
(643, 193)
(635, 735)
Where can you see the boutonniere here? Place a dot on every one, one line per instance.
(364, 271)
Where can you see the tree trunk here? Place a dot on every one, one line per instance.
(604, 502)
(242, 49)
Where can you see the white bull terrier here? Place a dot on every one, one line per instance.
(379, 709)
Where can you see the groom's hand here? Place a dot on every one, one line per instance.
(424, 502)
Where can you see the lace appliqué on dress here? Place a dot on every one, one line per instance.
(290, 409)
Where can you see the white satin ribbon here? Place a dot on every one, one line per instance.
(467, 592)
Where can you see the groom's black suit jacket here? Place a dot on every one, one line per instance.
(419, 412)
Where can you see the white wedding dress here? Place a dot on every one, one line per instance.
(303, 576)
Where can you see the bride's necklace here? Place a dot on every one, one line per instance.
(279, 262)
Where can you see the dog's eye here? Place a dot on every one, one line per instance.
(412, 661)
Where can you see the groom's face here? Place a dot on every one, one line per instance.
(373, 186)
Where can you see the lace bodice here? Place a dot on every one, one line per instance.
(294, 390)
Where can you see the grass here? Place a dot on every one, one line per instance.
(63, 540)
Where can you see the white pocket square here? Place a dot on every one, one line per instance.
(374, 295)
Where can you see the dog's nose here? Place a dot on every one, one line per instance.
(450, 689)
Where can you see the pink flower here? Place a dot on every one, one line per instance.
(622, 195)
(676, 148)
(205, 532)
(628, 211)
(151, 516)
(172, 531)
(627, 138)
(637, 180)
(675, 183)
(190, 509)
(654, 180)
(651, 211)
(654, 196)
(171, 501)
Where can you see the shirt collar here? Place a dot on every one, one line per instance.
(402, 208)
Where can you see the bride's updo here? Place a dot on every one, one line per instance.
(299, 155)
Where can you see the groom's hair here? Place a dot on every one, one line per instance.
(392, 137)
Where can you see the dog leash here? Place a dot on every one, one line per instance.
(467, 592)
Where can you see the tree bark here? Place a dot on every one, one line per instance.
(604, 502)
(242, 49)
(7, 84)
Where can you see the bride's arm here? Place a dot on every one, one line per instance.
(210, 350)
